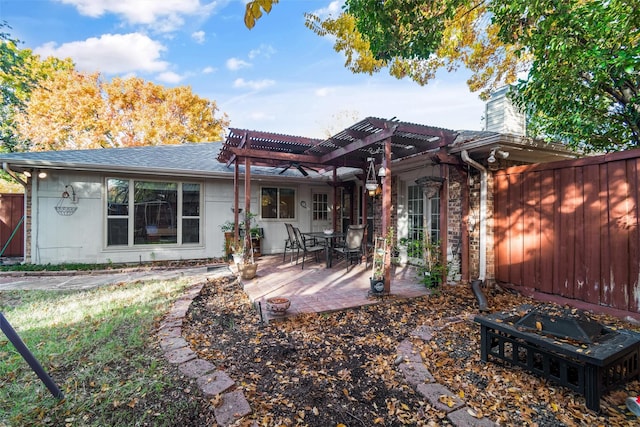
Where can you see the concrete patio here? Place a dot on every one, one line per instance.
(319, 289)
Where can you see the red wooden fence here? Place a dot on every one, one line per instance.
(11, 213)
(570, 229)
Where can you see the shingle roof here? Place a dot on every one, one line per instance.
(192, 157)
(185, 159)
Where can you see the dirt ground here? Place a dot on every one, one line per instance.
(339, 368)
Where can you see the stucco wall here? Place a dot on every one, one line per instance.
(80, 237)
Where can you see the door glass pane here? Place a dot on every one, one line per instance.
(415, 204)
(320, 207)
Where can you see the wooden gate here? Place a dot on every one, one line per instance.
(12, 225)
(570, 229)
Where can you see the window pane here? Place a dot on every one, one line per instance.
(435, 219)
(190, 199)
(190, 231)
(269, 203)
(117, 197)
(415, 204)
(287, 203)
(320, 207)
(155, 212)
(117, 231)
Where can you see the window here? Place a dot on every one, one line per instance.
(163, 212)
(278, 203)
(422, 214)
(320, 207)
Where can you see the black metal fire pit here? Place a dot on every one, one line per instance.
(563, 345)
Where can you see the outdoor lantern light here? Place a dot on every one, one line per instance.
(371, 183)
(499, 152)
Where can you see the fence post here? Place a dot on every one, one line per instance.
(29, 357)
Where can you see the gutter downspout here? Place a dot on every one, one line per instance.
(12, 174)
(475, 285)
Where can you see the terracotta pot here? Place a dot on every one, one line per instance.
(278, 305)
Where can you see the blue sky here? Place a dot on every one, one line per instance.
(277, 77)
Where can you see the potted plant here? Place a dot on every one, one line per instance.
(249, 268)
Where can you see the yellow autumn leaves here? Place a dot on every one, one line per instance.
(73, 110)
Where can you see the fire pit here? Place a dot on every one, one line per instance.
(562, 345)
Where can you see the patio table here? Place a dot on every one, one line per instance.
(329, 239)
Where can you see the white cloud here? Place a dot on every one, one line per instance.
(264, 50)
(170, 77)
(253, 84)
(299, 110)
(163, 15)
(198, 36)
(235, 64)
(111, 53)
(323, 91)
(333, 9)
(208, 70)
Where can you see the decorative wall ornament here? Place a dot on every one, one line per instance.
(64, 206)
(430, 185)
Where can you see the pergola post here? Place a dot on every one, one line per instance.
(236, 213)
(386, 210)
(247, 201)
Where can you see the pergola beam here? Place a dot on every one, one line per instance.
(358, 145)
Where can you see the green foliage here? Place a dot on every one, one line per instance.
(582, 58)
(583, 87)
(432, 272)
(20, 73)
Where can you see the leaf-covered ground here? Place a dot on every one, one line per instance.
(339, 368)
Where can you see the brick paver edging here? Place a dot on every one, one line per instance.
(409, 363)
(213, 383)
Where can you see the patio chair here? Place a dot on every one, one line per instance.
(290, 243)
(305, 247)
(352, 250)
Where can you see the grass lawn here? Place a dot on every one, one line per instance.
(99, 346)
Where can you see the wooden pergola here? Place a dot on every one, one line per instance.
(390, 139)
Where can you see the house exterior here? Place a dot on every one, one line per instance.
(169, 202)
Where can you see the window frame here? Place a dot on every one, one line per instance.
(130, 215)
(277, 203)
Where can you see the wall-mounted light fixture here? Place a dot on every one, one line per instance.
(497, 152)
(41, 174)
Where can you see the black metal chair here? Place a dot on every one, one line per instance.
(306, 249)
(352, 250)
(290, 243)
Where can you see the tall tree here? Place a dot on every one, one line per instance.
(20, 73)
(583, 87)
(580, 57)
(72, 110)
